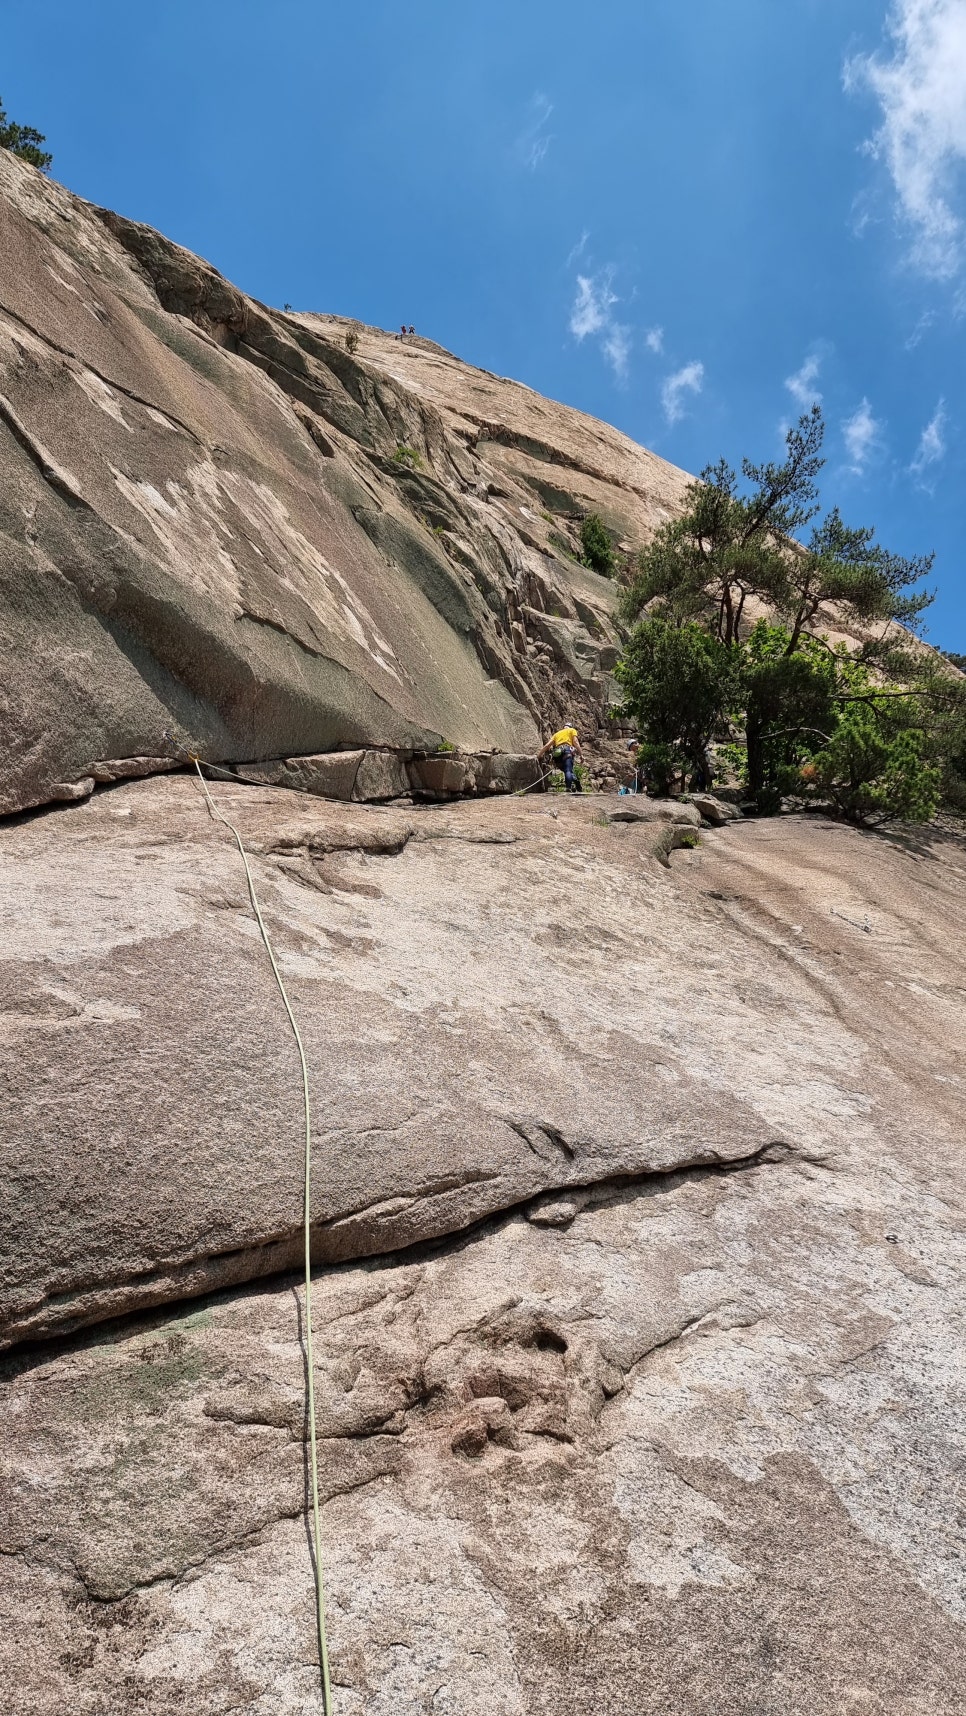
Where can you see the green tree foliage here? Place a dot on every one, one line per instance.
(787, 705)
(598, 553)
(876, 732)
(24, 141)
(678, 684)
(875, 765)
(731, 546)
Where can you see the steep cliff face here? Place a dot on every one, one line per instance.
(636, 1187)
(222, 530)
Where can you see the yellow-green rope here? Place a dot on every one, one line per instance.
(307, 1226)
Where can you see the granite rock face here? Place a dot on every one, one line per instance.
(637, 1186)
(221, 531)
(676, 1426)
(479, 1032)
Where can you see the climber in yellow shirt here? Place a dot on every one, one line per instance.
(564, 745)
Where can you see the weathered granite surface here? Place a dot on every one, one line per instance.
(480, 1011)
(641, 1441)
(221, 530)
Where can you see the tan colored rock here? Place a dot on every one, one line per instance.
(662, 1432)
(717, 811)
(637, 807)
(168, 1161)
(439, 777)
(331, 775)
(222, 532)
(151, 1086)
(382, 775)
(699, 1442)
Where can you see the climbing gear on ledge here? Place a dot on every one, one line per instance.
(219, 816)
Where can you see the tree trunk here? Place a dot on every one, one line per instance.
(756, 759)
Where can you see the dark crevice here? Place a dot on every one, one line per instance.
(33, 1351)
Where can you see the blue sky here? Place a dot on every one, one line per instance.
(688, 219)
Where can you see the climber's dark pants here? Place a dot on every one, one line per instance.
(564, 759)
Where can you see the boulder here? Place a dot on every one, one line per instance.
(442, 776)
(505, 774)
(329, 775)
(714, 810)
(382, 775)
(637, 808)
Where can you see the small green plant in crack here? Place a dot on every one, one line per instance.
(410, 456)
(562, 546)
(437, 530)
(689, 841)
(351, 340)
(445, 749)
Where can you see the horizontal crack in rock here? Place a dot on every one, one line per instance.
(280, 1254)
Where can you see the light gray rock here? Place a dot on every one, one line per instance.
(714, 810)
(442, 777)
(496, 1004)
(208, 542)
(330, 775)
(699, 1447)
(382, 775)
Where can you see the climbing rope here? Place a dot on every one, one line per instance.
(519, 792)
(307, 1227)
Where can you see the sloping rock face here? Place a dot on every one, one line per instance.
(222, 531)
(479, 1033)
(675, 1427)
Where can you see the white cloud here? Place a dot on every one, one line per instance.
(932, 442)
(592, 305)
(925, 321)
(861, 433)
(617, 350)
(654, 340)
(578, 249)
(593, 314)
(534, 140)
(801, 385)
(922, 138)
(690, 379)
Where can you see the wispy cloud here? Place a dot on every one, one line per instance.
(654, 340)
(862, 433)
(922, 138)
(534, 140)
(932, 445)
(593, 315)
(617, 350)
(578, 249)
(925, 321)
(593, 304)
(802, 386)
(689, 379)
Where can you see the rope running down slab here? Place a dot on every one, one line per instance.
(307, 1204)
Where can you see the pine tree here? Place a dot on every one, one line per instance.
(24, 141)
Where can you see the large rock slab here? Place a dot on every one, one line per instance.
(499, 999)
(701, 1447)
(478, 1031)
(221, 531)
